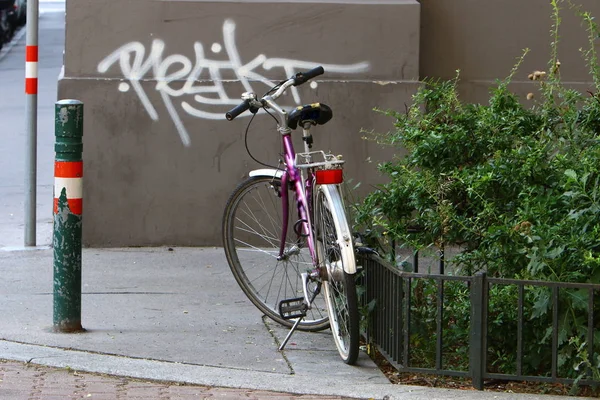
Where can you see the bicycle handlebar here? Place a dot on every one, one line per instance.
(296, 80)
(240, 108)
(302, 77)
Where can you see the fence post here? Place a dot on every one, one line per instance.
(477, 356)
(68, 188)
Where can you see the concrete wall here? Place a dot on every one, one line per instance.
(484, 38)
(157, 76)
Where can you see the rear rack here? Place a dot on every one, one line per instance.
(318, 160)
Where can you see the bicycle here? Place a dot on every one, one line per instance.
(282, 265)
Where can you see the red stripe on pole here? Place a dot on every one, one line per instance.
(31, 53)
(68, 169)
(75, 205)
(31, 85)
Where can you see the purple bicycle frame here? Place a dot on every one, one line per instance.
(291, 173)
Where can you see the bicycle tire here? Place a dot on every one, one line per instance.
(252, 224)
(340, 285)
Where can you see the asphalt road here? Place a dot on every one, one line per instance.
(13, 126)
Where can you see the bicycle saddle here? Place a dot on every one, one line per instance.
(316, 113)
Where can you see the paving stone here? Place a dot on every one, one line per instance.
(19, 381)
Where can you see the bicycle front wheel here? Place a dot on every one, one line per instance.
(336, 253)
(252, 226)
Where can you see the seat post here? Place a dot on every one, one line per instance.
(306, 136)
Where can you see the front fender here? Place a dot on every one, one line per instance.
(273, 173)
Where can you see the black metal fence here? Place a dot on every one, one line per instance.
(421, 326)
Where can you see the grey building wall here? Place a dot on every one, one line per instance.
(160, 160)
(484, 38)
(156, 78)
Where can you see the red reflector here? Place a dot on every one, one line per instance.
(329, 176)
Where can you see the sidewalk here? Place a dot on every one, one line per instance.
(170, 316)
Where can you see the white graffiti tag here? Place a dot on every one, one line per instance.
(176, 76)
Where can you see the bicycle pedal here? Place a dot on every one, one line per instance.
(293, 308)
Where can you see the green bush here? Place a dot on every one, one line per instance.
(513, 184)
(516, 188)
(455, 327)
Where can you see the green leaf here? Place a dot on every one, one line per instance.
(557, 251)
(541, 306)
(571, 174)
(547, 335)
(579, 298)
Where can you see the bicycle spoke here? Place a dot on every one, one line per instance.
(265, 233)
(252, 234)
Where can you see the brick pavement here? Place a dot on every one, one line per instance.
(20, 381)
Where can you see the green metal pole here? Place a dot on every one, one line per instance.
(68, 188)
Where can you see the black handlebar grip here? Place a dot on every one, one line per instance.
(314, 72)
(302, 77)
(234, 112)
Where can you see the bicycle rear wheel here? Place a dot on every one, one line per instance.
(335, 251)
(252, 226)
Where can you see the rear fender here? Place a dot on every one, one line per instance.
(339, 219)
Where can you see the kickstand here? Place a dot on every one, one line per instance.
(289, 335)
(297, 307)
